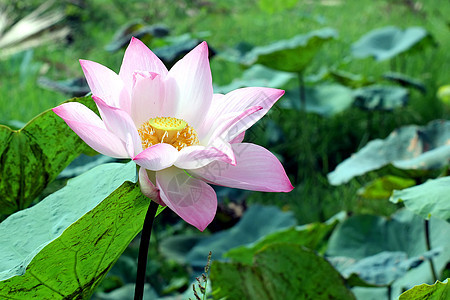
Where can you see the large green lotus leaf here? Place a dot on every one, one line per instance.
(381, 97)
(437, 291)
(312, 236)
(258, 221)
(33, 156)
(279, 271)
(428, 199)
(408, 148)
(387, 42)
(291, 55)
(63, 246)
(382, 188)
(366, 237)
(259, 75)
(325, 100)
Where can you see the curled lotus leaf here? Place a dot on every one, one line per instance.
(427, 199)
(387, 42)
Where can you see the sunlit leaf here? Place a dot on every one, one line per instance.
(387, 42)
(409, 148)
(428, 199)
(437, 291)
(312, 236)
(279, 271)
(63, 246)
(325, 100)
(258, 221)
(382, 188)
(381, 97)
(291, 55)
(443, 94)
(33, 156)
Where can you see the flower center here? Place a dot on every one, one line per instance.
(173, 131)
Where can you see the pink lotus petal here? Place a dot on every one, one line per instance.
(147, 186)
(139, 58)
(147, 97)
(256, 169)
(205, 128)
(194, 157)
(193, 77)
(238, 101)
(104, 83)
(119, 122)
(157, 157)
(238, 139)
(90, 128)
(231, 125)
(192, 199)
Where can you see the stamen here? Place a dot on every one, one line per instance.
(173, 131)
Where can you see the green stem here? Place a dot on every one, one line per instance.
(427, 240)
(143, 250)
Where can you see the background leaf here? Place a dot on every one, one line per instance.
(325, 100)
(291, 55)
(409, 147)
(279, 271)
(373, 247)
(65, 245)
(312, 236)
(387, 42)
(259, 75)
(382, 188)
(427, 199)
(381, 97)
(257, 222)
(33, 156)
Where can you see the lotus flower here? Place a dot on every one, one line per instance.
(180, 134)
